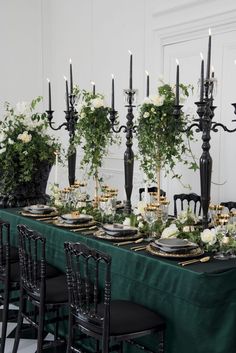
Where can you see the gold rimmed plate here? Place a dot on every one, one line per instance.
(191, 253)
(103, 235)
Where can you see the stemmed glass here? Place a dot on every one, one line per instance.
(164, 205)
(103, 205)
(150, 216)
(223, 219)
(215, 212)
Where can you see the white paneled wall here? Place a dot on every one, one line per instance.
(39, 36)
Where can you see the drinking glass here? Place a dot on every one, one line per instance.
(164, 211)
(215, 212)
(103, 205)
(223, 254)
(150, 216)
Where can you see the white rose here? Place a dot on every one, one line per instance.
(10, 141)
(147, 100)
(22, 108)
(153, 110)
(126, 222)
(2, 150)
(141, 207)
(208, 236)
(146, 115)
(225, 240)
(82, 115)
(139, 218)
(170, 232)
(2, 137)
(97, 103)
(25, 137)
(58, 203)
(157, 100)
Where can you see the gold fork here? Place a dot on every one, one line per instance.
(129, 242)
(189, 262)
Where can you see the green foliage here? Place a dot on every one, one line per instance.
(93, 131)
(160, 140)
(24, 143)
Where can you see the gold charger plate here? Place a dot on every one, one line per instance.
(103, 235)
(37, 215)
(192, 253)
(59, 223)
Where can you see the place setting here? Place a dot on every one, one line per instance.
(39, 211)
(117, 232)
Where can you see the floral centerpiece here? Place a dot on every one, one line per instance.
(93, 133)
(213, 240)
(27, 154)
(160, 140)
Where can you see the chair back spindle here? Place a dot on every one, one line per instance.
(88, 277)
(192, 201)
(32, 260)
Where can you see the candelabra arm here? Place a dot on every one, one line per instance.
(50, 122)
(216, 125)
(117, 131)
(190, 127)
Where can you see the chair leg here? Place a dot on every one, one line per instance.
(161, 341)
(97, 346)
(40, 329)
(19, 322)
(4, 319)
(70, 333)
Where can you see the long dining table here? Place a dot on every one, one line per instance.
(198, 301)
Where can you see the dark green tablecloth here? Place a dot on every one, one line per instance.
(199, 307)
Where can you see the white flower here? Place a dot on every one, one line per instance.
(22, 108)
(157, 100)
(126, 222)
(2, 150)
(225, 240)
(25, 153)
(187, 215)
(147, 100)
(58, 203)
(170, 232)
(141, 207)
(83, 115)
(140, 225)
(10, 141)
(139, 218)
(153, 110)
(97, 103)
(208, 236)
(146, 115)
(25, 137)
(2, 137)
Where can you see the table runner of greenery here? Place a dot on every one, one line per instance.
(200, 308)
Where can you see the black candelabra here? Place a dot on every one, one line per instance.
(71, 117)
(204, 124)
(128, 129)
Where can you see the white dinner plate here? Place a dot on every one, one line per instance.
(39, 209)
(72, 218)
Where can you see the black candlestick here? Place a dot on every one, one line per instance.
(71, 116)
(49, 96)
(129, 128)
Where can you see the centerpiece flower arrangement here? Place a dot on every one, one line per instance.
(161, 143)
(27, 153)
(212, 240)
(93, 133)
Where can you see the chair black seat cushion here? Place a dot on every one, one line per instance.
(56, 290)
(51, 271)
(127, 317)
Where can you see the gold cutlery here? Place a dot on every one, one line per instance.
(139, 247)
(46, 218)
(129, 242)
(83, 229)
(189, 262)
